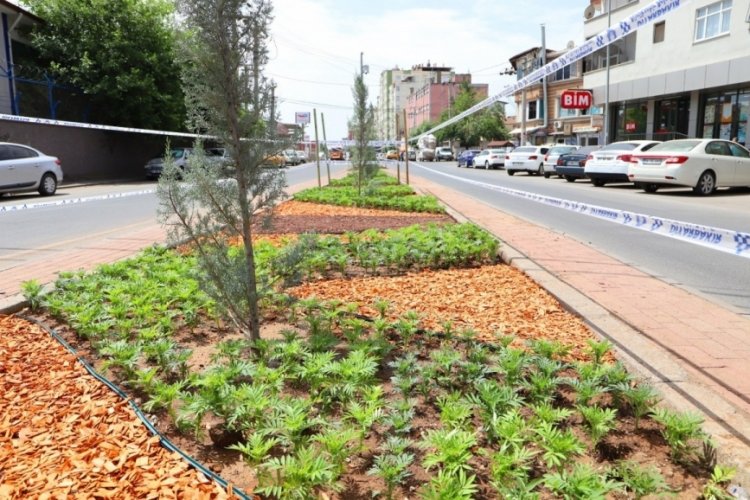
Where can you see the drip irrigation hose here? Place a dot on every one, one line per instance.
(163, 440)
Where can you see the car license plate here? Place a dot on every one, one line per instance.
(517, 163)
(606, 158)
(574, 164)
(651, 161)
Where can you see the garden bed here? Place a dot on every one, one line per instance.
(489, 384)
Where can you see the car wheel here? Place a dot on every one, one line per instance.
(48, 185)
(547, 175)
(540, 170)
(706, 184)
(511, 172)
(570, 178)
(486, 165)
(650, 188)
(597, 182)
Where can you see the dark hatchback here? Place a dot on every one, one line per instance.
(466, 158)
(570, 165)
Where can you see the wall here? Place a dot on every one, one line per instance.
(90, 154)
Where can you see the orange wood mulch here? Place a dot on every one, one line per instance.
(491, 300)
(65, 434)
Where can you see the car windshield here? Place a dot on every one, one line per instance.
(177, 153)
(497, 151)
(525, 149)
(676, 146)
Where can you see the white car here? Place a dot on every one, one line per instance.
(550, 159)
(526, 159)
(489, 158)
(703, 164)
(610, 163)
(24, 169)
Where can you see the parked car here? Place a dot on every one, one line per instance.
(302, 155)
(336, 154)
(702, 164)
(392, 154)
(443, 154)
(24, 169)
(412, 155)
(155, 166)
(550, 159)
(490, 158)
(290, 157)
(610, 163)
(570, 165)
(526, 159)
(466, 158)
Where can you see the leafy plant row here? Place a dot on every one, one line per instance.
(380, 252)
(381, 192)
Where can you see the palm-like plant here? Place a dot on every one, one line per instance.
(338, 442)
(448, 449)
(454, 410)
(598, 422)
(256, 448)
(582, 481)
(450, 486)
(641, 399)
(558, 447)
(682, 431)
(299, 476)
(392, 469)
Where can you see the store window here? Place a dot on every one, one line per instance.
(712, 20)
(535, 110)
(727, 115)
(672, 118)
(630, 120)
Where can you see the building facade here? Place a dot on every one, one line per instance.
(545, 121)
(396, 85)
(12, 17)
(429, 102)
(685, 76)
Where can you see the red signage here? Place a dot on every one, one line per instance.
(630, 127)
(576, 99)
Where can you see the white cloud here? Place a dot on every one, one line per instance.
(317, 43)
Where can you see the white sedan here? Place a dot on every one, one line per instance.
(489, 158)
(703, 164)
(610, 163)
(24, 169)
(526, 159)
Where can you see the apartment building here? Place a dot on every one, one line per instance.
(396, 85)
(541, 122)
(686, 75)
(429, 102)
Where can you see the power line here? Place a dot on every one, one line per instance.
(322, 104)
(308, 81)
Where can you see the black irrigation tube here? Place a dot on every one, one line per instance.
(163, 440)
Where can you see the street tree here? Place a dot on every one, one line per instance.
(487, 124)
(120, 53)
(228, 97)
(362, 126)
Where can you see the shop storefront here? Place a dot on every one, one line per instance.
(672, 118)
(726, 115)
(630, 120)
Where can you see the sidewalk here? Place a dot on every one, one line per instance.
(694, 351)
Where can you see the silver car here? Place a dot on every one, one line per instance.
(550, 159)
(155, 166)
(24, 169)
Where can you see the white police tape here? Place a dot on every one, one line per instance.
(73, 201)
(725, 240)
(647, 15)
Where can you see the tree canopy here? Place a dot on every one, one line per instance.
(118, 52)
(488, 124)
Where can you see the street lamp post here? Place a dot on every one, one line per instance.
(606, 85)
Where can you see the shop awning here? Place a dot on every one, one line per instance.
(517, 131)
(585, 130)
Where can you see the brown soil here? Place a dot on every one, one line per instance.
(490, 300)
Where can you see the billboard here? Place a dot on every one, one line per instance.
(302, 117)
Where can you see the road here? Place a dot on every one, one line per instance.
(721, 277)
(81, 214)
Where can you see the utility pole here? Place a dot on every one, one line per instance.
(398, 163)
(406, 147)
(317, 144)
(325, 142)
(545, 107)
(606, 85)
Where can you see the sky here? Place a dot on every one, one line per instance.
(315, 45)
